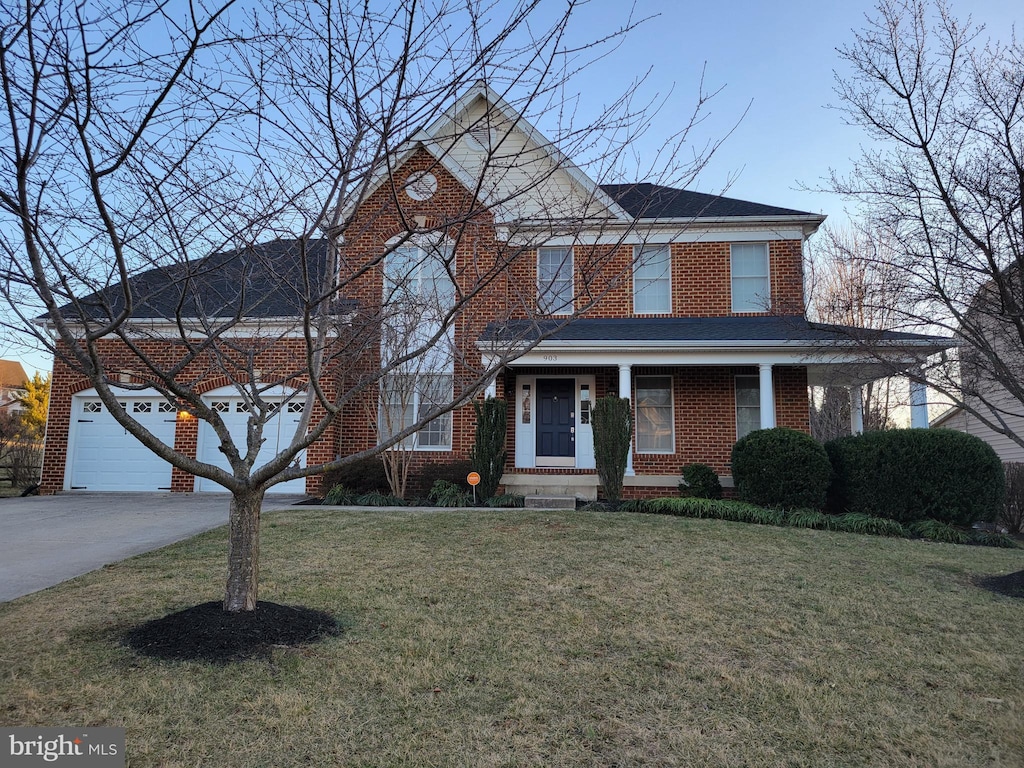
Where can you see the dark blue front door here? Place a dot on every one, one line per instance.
(556, 418)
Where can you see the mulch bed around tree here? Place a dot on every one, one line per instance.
(208, 633)
(1011, 585)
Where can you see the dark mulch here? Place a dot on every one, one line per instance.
(1011, 585)
(207, 633)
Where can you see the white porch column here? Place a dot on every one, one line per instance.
(918, 404)
(626, 391)
(492, 388)
(856, 410)
(767, 396)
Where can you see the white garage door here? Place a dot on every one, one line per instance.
(277, 433)
(105, 457)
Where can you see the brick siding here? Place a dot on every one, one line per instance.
(704, 396)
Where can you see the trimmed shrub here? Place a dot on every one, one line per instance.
(781, 467)
(360, 476)
(916, 474)
(447, 494)
(612, 420)
(1012, 517)
(700, 482)
(487, 456)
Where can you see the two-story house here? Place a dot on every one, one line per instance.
(499, 261)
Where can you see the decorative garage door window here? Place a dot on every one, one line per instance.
(104, 456)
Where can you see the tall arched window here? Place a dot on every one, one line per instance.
(418, 330)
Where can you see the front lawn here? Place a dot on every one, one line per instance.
(503, 638)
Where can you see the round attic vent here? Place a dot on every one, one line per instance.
(421, 185)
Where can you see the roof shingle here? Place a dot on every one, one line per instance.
(653, 201)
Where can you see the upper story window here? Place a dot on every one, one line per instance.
(748, 405)
(419, 295)
(652, 280)
(654, 414)
(751, 289)
(419, 276)
(554, 281)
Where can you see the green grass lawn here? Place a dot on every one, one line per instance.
(478, 638)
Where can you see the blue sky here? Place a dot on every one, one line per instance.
(778, 58)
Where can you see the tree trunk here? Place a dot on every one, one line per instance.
(243, 551)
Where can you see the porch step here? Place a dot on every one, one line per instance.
(538, 501)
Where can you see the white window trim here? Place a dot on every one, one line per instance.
(637, 254)
(767, 278)
(736, 402)
(672, 413)
(570, 307)
(415, 436)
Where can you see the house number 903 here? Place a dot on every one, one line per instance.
(550, 358)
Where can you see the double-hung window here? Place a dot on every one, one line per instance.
(748, 405)
(651, 280)
(654, 414)
(554, 281)
(751, 289)
(409, 398)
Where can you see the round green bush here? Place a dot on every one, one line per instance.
(781, 467)
(916, 474)
(700, 482)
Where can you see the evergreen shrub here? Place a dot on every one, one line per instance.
(916, 474)
(700, 482)
(487, 456)
(612, 421)
(360, 476)
(781, 467)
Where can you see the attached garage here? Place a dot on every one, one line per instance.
(277, 433)
(103, 456)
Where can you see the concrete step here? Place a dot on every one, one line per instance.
(537, 501)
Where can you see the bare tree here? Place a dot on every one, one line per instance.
(188, 195)
(852, 282)
(942, 178)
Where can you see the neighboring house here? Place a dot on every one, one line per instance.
(992, 356)
(689, 304)
(12, 385)
(962, 421)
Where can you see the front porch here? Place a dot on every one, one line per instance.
(696, 384)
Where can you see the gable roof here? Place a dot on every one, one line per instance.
(653, 201)
(259, 281)
(12, 374)
(625, 202)
(438, 141)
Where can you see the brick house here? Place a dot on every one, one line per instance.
(690, 305)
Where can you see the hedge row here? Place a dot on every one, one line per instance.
(908, 475)
(851, 522)
(917, 474)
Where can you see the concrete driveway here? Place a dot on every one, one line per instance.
(45, 540)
